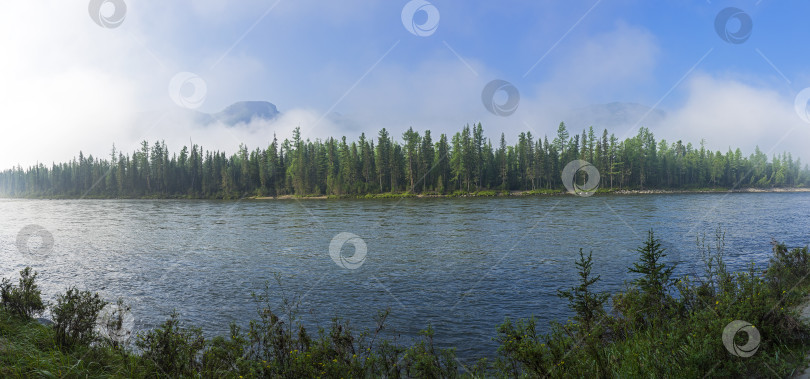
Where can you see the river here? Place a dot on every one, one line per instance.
(461, 265)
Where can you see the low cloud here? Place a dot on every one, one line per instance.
(730, 113)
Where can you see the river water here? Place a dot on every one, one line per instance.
(461, 265)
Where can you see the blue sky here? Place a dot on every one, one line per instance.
(75, 85)
(299, 45)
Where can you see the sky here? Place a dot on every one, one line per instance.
(80, 75)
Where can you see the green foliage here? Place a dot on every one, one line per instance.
(588, 307)
(23, 300)
(587, 304)
(787, 267)
(74, 316)
(488, 193)
(389, 195)
(679, 338)
(462, 163)
(655, 279)
(522, 350)
(423, 360)
(223, 356)
(171, 348)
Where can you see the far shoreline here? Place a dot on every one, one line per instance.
(457, 194)
(529, 193)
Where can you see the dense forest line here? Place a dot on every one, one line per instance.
(466, 162)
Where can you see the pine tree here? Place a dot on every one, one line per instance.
(655, 275)
(426, 162)
(561, 141)
(588, 306)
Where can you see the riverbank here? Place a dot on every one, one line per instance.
(429, 195)
(528, 193)
(720, 324)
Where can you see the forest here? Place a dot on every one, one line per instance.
(466, 162)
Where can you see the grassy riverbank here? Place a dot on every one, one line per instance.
(659, 326)
(422, 195)
(539, 192)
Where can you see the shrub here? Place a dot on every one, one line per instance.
(526, 353)
(25, 299)
(522, 350)
(171, 348)
(787, 266)
(75, 315)
(226, 356)
(489, 193)
(423, 360)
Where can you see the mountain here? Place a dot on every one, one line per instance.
(614, 116)
(243, 112)
(237, 113)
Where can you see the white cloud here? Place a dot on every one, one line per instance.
(727, 113)
(615, 65)
(64, 79)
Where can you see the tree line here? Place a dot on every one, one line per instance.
(465, 162)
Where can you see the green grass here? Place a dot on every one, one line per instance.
(544, 191)
(389, 195)
(28, 349)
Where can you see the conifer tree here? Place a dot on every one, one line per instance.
(655, 274)
(588, 306)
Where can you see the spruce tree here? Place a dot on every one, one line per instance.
(589, 308)
(655, 275)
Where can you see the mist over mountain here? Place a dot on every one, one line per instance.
(240, 113)
(243, 112)
(614, 116)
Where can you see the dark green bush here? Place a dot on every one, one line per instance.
(224, 356)
(423, 360)
(75, 315)
(522, 349)
(171, 348)
(23, 300)
(787, 266)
